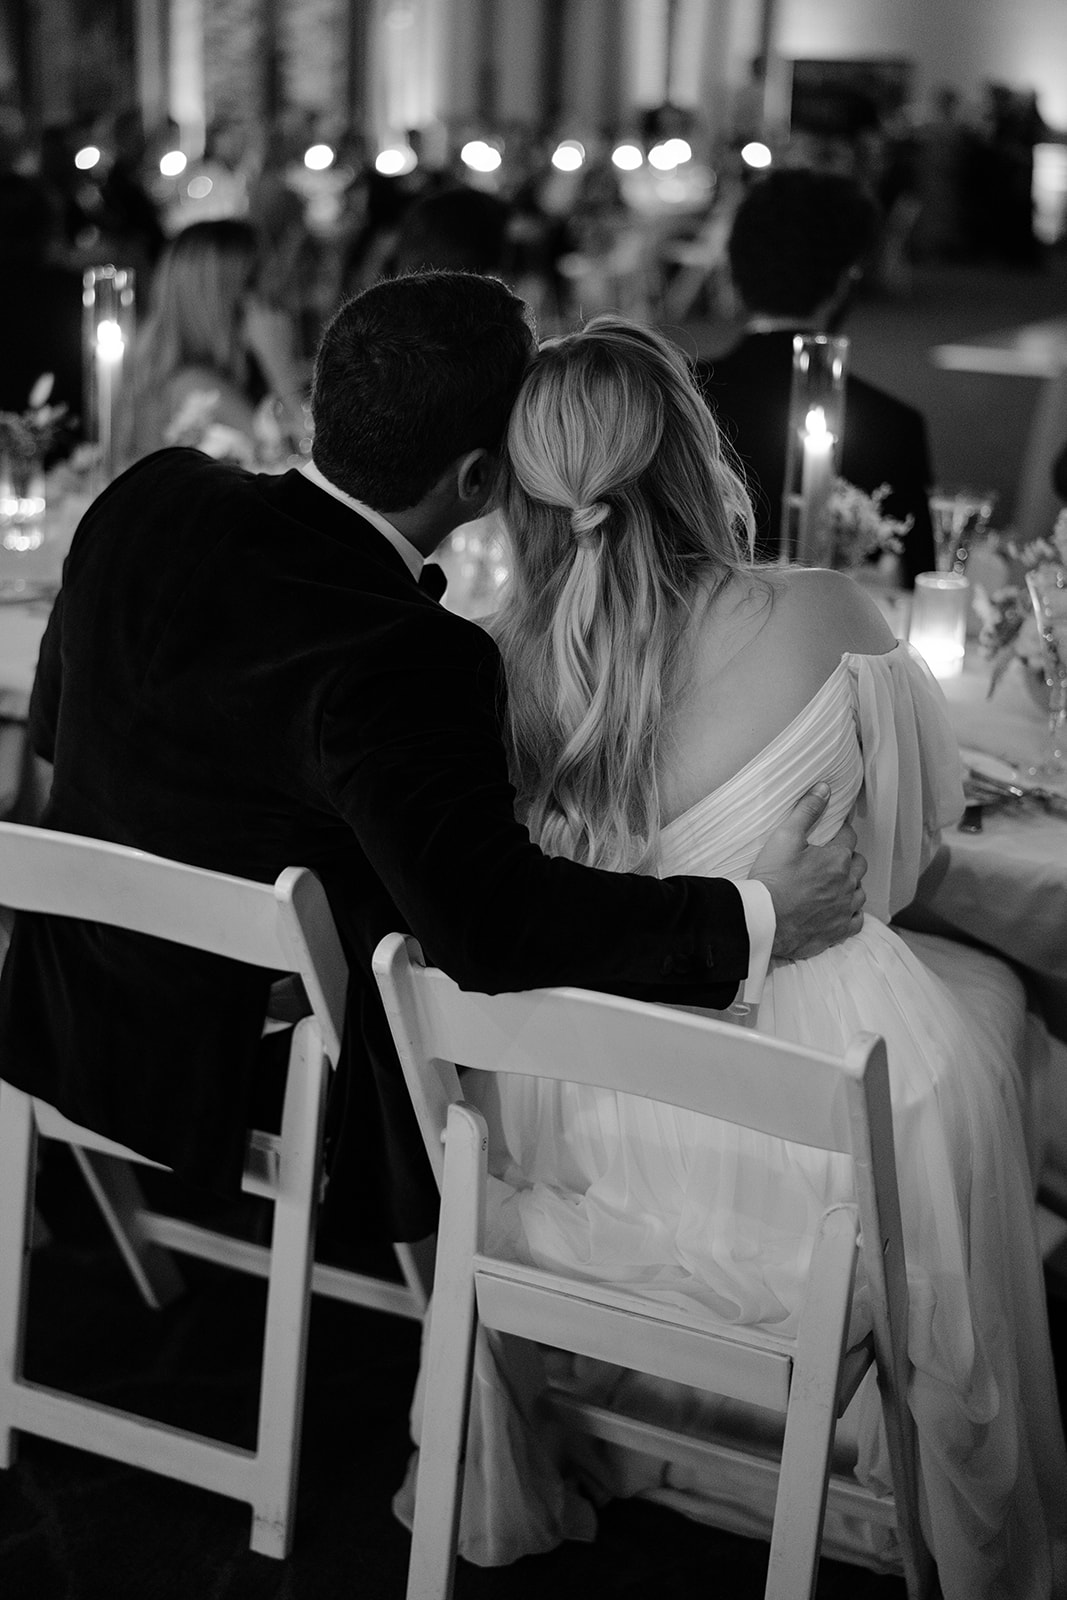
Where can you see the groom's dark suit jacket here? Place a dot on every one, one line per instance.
(884, 442)
(241, 673)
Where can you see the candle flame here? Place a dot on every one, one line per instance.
(815, 427)
(109, 340)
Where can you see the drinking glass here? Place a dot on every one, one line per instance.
(960, 517)
(1048, 591)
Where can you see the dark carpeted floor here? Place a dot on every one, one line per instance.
(75, 1527)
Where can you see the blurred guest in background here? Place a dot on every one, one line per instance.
(127, 216)
(66, 187)
(459, 230)
(377, 208)
(207, 338)
(944, 149)
(796, 248)
(1012, 126)
(40, 301)
(1059, 473)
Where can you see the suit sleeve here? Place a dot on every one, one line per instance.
(47, 687)
(412, 758)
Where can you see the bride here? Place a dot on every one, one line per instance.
(668, 703)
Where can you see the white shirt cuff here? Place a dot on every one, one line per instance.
(761, 923)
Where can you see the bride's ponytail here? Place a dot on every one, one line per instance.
(607, 553)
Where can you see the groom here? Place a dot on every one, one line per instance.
(243, 672)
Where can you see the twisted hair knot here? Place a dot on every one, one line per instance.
(586, 519)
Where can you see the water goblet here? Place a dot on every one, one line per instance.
(960, 517)
(1048, 591)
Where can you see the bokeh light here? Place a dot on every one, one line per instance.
(395, 160)
(669, 154)
(318, 157)
(87, 158)
(755, 154)
(568, 156)
(173, 164)
(199, 188)
(627, 157)
(479, 156)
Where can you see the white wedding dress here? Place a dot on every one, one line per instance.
(687, 1208)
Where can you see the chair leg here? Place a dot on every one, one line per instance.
(118, 1196)
(449, 1357)
(18, 1153)
(416, 1263)
(800, 1506)
(281, 1400)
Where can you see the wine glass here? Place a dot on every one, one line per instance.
(1048, 591)
(960, 516)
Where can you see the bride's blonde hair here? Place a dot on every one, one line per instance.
(621, 506)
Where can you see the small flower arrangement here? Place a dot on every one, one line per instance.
(1009, 628)
(195, 424)
(28, 436)
(857, 527)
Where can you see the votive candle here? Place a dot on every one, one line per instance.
(938, 629)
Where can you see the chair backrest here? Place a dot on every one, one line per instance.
(286, 926)
(577, 1036)
(682, 1059)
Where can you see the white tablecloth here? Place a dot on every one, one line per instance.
(1005, 887)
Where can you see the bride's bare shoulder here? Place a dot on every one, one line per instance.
(832, 603)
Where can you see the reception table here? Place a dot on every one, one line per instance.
(1006, 886)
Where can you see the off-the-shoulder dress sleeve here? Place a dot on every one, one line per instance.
(911, 773)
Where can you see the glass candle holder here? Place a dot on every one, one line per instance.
(960, 518)
(108, 309)
(938, 627)
(813, 446)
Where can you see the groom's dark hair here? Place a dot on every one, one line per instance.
(412, 373)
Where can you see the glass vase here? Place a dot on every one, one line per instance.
(1048, 591)
(22, 501)
(813, 448)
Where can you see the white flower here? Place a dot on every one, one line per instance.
(228, 444)
(193, 418)
(41, 390)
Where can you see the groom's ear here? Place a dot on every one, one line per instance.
(475, 473)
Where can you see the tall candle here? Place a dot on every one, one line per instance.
(816, 481)
(107, 365)
(108, 301)
(813, 439)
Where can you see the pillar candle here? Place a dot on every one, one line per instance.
(816, 482)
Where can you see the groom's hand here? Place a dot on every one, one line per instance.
(817, 890)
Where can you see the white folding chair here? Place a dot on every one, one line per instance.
(285, 927)
(705, 1066)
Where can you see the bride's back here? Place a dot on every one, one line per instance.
(647, 659)
(760, 650)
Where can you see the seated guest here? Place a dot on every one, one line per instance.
(206, 334)
(40, 303)
(458, 230)
(242, 672)
(667, 702)
(796, 246)
(1059, 473)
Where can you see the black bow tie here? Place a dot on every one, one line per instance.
(432, 580)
